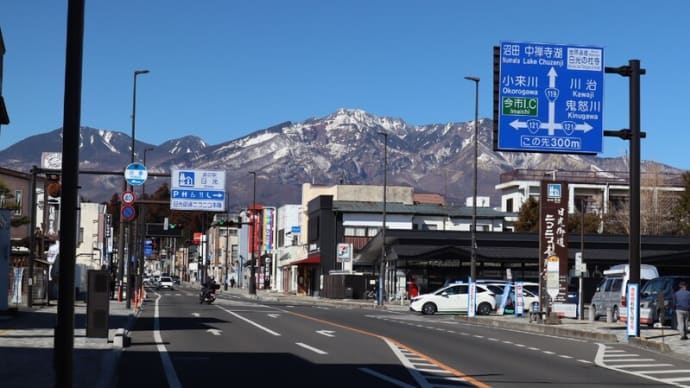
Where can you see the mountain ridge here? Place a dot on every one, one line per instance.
(345, 146)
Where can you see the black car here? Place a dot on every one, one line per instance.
(176, 279)
(655, 290)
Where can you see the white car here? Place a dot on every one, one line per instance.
(454, 299)
(165, 282)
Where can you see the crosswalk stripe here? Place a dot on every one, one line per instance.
(640, 366)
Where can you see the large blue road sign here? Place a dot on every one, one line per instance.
(550, 98)
(197, 190)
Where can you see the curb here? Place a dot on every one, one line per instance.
(650, 345)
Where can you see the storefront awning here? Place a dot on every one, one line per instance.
(314, 259)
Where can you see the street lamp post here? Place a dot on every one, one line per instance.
(120, 250)
(382, 269)
(227, 238)
(252, 209)
(142, 222)
(473, 249)
(143, 185)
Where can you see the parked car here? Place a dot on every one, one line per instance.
(662, 287)
(529, 299)
(611, 291)
(165, 282)
(454, 299)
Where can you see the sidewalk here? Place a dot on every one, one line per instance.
(662, 340)
(26, 347)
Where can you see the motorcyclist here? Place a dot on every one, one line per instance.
(208, 287)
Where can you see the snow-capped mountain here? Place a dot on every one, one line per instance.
(346, 146)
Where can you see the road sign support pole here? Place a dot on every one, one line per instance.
(633, 72)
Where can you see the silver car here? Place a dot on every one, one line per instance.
(165, 282)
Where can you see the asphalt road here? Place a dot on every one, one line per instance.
(178, 342)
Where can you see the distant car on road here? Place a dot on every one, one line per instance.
(165, 282)
(454, 299)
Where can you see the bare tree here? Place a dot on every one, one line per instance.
(657, 202)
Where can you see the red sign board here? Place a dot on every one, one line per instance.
(196, 238)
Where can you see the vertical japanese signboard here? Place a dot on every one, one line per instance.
(553, 234)
(269, 216)
(550, 98)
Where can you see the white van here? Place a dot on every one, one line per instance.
(611, 291)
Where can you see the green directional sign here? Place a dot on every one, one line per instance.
(520, 106)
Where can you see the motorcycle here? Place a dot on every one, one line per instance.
(208, 296)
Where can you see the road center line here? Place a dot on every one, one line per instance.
(455, 372)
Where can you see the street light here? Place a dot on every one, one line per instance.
(142, 223)
(382, 273)
(473, 259)
(120, 249)
(143, 185)
(252, 209)
(134, 108)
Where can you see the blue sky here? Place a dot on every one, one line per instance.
(222, 69)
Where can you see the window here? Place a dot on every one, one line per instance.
(371, 232)
(616, 284)
(18, 202)
(509, 205)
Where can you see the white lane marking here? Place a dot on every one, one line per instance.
(599, 361)
(170, 374)
(327, 333)
(640, 366)
(313, 349)
(214, 331)
(274, 315)
(621, 355)
(663, 371)
(267, 330)
(196, 315)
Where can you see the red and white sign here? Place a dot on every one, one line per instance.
(128, 197)
(128, 212)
